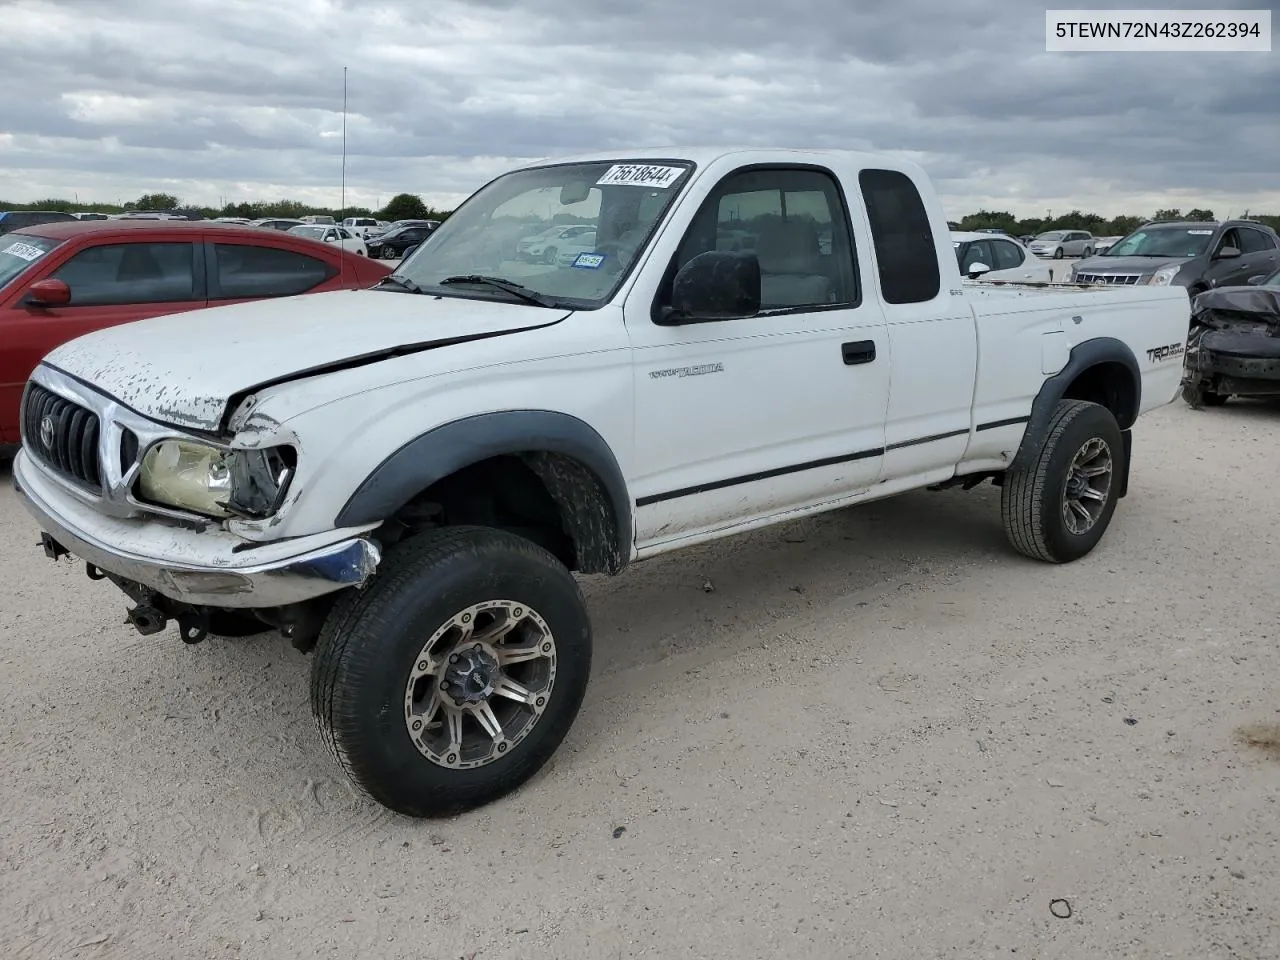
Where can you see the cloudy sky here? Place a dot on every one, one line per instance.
(242, 99)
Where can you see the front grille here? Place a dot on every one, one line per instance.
(1126, 279)
(62, 434)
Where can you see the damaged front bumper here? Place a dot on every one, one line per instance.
(202, 568)
(1232, 363)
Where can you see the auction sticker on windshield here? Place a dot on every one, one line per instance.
(640, 175)
(1200, 233)
(24, 251)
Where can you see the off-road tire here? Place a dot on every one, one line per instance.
(373, 636)
(1031, 498)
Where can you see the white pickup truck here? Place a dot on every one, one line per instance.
(404, 480)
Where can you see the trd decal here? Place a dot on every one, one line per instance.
(1170, 351)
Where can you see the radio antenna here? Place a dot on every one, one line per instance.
(344, 140)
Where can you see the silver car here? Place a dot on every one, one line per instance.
(1057, 244)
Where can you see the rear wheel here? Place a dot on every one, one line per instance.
(1057, 508)
(452, 678)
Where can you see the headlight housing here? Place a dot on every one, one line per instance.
(215, 482)
(1164, 276)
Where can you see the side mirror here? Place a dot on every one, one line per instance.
(1227, 253)
(715, 285)
(49, 293)
(976, 270)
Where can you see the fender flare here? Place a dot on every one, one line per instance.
(1089, 353)
(445, 449)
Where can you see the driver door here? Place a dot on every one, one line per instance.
(740, 420)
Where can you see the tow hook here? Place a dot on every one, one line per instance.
(147, 620)
(52, 548)
(192, 627)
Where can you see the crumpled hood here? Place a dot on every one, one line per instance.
(183, 368)
(1252, 307)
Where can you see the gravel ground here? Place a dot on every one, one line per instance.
(876, 733)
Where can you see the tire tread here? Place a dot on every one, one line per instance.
(341, 652)
(1023, 494)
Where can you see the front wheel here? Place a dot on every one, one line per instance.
(1057, 254)
(453, 677)
(1057, 508)
(1197, 397)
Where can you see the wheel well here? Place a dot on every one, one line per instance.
(1110, 385)
(549, 498)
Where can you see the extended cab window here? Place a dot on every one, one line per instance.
(249, 271)
(121, 273)
(794, 221)
(903, 239)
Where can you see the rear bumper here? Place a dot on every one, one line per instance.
(203, 568)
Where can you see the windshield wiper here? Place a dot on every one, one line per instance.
(507, 286)
(402, 282)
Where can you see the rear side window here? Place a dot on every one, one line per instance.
(1254, 241)
(903, 239)
(1007, 255)
(122, 273)
(249, 271)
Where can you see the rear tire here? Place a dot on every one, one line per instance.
(385, 672)
(1057, 508)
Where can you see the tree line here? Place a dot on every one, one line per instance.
(403, 206)
(409, 206)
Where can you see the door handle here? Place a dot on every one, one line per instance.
(858, 351)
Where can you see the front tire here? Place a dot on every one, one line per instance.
(453, 677)
(1057, 508)
(1057, 254)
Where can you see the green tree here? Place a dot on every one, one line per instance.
(156, 201)
(1200, 215)
(405, 206)
(1173, 213)
(1122, 226)
(990, 220)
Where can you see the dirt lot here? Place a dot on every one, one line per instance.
(877, 733)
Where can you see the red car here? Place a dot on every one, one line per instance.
(61, 280)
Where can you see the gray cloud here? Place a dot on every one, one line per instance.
(242, 98)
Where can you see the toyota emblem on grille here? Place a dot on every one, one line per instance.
(46, 432)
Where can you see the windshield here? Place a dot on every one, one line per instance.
(315, 233)
(19, 251)
(1163, 242)
(1051, 235)
(568, 233)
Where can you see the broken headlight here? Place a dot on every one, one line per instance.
(214, 482)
